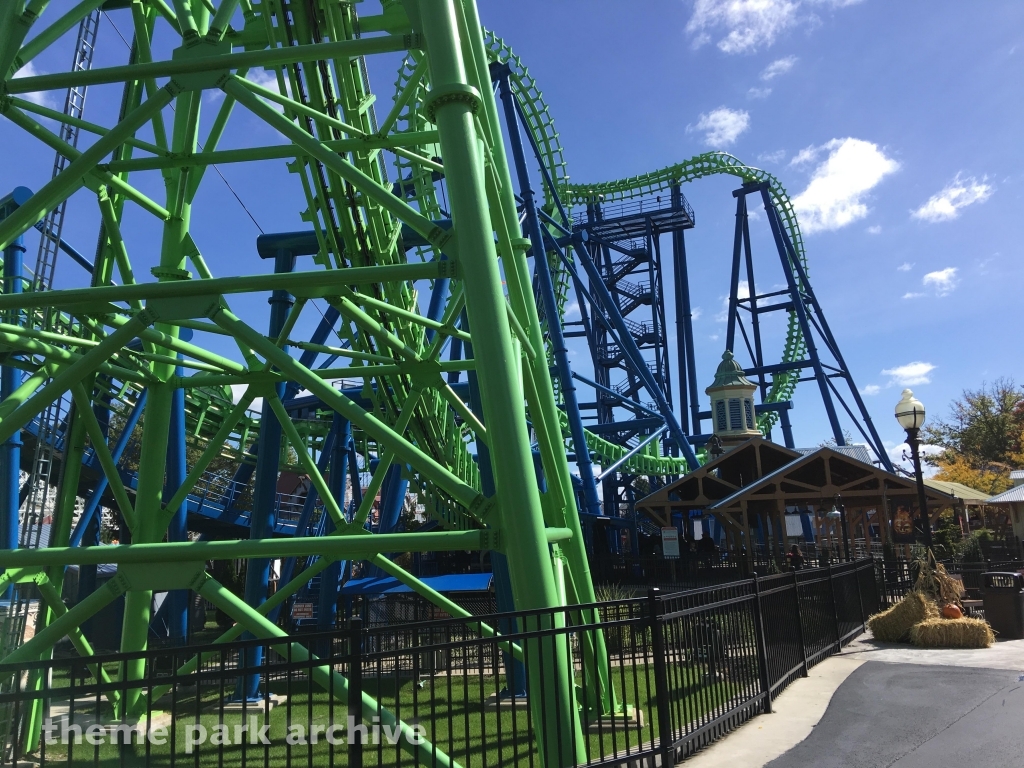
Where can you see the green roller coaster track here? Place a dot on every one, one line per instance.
(103, 344)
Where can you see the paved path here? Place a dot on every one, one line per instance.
(885, 705)
(918, 716)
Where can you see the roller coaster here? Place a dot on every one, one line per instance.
(437, 280)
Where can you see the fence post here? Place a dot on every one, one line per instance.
(355, 691)
(762, 648)
(860, 597)
(835, 606)
(666, 737)
(799, 621)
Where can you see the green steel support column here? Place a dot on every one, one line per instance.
(150, 524)
(453, 104)
(545, 419)
(137, 606)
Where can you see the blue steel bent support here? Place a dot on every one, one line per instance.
(93, 502)
(268, 458)
(330, 577)
(628, 346)
(177, 530)
(801, 313)
(688, 394)
(10, 380)
(591, 501)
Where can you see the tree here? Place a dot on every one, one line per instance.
(983, 438)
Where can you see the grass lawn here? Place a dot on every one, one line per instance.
(449, 707)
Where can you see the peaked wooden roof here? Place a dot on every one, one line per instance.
(758, 474)
(719, 478)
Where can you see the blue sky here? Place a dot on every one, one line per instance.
(895, 126)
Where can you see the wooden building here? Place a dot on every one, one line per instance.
(753, 484)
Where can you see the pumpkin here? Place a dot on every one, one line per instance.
(952, 611)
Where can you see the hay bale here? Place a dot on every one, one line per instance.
(893, 625)
(952, 633)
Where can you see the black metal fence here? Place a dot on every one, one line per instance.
(896, 576)
(629, 682)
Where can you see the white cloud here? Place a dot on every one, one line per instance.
(874, 230)
(749, 24)
(835, 195)
(696, 312)
(772, 157)
(722, 126)
(912, 295)
(906, 266)
(909, 375)
(713, 337)
(806, 155)
(945, 205)
(944, 281)
(871, 389)
(778, 67)
(742, 292)
(42, 98)
(573, 310)
(759, 93)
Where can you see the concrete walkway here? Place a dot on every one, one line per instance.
(885, 705)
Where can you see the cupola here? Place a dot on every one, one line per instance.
(732, 403)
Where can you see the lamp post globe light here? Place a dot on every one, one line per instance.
(910, 414)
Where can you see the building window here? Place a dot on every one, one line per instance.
(748, 411)
(720, 414)
(735, 413)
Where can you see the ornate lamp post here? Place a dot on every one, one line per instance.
(839, 510)
(910, 415)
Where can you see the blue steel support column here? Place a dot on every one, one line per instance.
(92, 504)
(264, 502)
(330, 577)
(592, 503)
(302, 525)
(177, 530)
(834, 348)
(684, 326)
(10, 379)
(787, 428)
(734, 281)
(801, 313)
(628, 346)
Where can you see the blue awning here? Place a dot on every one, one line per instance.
(388, 585)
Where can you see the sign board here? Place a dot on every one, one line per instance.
(302, 611)
(905, 525)
(670, 543)
(794, 526)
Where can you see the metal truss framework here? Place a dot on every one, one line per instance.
(125, 339)
(136, 350)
